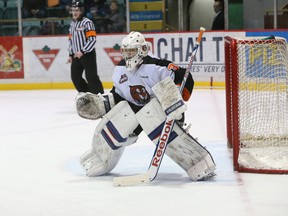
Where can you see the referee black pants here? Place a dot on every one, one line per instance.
(88, 64)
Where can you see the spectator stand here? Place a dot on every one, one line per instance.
(1, 9)
(57, 17)
(9, 11)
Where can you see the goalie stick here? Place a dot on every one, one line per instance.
(161, 146)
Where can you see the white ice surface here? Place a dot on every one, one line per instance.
(42, 137)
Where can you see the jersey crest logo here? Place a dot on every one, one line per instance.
(139, 94)
(173, 67)
(123, 78)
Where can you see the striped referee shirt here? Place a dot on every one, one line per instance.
(82, 36)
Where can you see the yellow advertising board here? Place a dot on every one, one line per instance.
(147, 25)
(146, 15)
(146, 6)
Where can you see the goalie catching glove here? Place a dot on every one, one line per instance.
(92, 106)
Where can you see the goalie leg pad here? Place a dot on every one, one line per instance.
(94, 106)
(188, 153)
(120, 122)
(182, 147)
(109, 140)
(96, 164)
(202, 170)
(170, 98)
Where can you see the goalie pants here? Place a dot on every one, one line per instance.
(88, 63)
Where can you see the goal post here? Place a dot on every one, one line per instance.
(256, 78)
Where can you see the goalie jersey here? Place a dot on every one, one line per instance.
(136, 86)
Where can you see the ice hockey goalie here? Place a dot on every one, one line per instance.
(119, 128)
(144, 95)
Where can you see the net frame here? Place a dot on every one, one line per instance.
(253, 150)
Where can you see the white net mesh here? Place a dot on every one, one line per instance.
(263, 103)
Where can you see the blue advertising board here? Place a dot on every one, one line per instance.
(146, 15)
(278, 33)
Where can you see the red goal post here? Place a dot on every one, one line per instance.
(256, 77)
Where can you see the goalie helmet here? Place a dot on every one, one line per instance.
(134, 48)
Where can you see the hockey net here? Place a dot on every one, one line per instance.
(257, 103)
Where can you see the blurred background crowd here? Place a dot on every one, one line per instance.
(53, 17)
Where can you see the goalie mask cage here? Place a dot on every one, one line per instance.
(257, 103)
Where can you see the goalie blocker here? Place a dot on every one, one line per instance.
(112, 136)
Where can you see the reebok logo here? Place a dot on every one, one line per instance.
(162, 143)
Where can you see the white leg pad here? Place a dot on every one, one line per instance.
(203, 169)
(182, 147)
(109, 140)
(151, 116)
(96, 164)
(189, 154)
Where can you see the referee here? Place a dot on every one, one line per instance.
(82, 54)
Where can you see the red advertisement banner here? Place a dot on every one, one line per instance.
(11, 58)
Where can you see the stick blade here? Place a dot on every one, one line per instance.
(131, 180)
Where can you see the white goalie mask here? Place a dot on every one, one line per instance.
(134, 48)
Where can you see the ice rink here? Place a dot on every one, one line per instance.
(42, 138)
